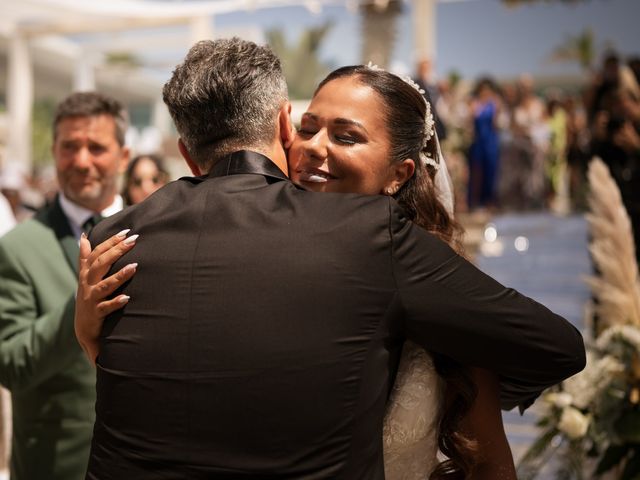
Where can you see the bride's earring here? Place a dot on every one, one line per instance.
(391, 190)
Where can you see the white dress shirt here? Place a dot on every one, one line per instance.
(77, 215)
(7, 219)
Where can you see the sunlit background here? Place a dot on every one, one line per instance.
(128, 47)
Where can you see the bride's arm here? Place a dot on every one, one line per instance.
(92, 298)
(483, 422)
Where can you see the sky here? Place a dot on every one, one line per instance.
(474, 37)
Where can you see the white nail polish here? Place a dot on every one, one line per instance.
(130, 268)
(124, 299)
(132, 239)
(123, 233)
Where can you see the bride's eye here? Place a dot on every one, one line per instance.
(306, 132)
(346, 139)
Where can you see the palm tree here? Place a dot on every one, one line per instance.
(579, 48)
(301, 63)
(379, 30)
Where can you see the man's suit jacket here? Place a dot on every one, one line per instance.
(265, 324)
(52, 384)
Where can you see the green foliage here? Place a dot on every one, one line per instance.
(613, 456)
(454, 78)
(628, 427)
(122, 59)
(612, 439)
(537, 455)
(632, 468)
(579, 48)
(301, 63)
(41, 134)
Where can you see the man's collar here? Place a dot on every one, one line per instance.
(77, 215)
(246, 162)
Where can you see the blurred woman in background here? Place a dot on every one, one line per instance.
(145, 175)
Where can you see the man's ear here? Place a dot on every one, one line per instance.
(287, 130)
(125, 156)
(193, 166)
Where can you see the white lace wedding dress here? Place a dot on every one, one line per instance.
(410, 432)
(410, 429)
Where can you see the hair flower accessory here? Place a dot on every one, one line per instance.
(426, 159)
(442, 180)
(429, 121)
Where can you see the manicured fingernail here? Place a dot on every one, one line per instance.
(131, 240)
(83, 235)
(123, 233)
(123, 298)
(130, 268)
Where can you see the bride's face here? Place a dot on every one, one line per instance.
(343, 142)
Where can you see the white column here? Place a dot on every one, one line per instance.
(160, 118)
(84, 76)
(201, 29)
(19, 101)
(424, 29)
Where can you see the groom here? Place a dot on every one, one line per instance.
(265, 322)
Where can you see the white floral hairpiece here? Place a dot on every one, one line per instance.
(426, 159)
(429, 121)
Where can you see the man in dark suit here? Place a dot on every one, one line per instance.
(265, 322)
(51, 382)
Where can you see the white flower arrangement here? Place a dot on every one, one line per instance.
(573, 423)
(591, 424)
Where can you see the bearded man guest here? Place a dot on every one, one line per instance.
(52, 384)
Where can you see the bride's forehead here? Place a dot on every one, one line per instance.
(347, 97)
(350, 87)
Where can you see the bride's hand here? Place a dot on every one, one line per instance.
(92, 305)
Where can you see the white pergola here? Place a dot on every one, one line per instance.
(40, 29)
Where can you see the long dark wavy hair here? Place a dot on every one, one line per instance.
(405, 110)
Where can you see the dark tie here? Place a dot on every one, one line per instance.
(91, 222)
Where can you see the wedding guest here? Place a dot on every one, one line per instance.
(484, 151)
(145, 174)
(51, 382)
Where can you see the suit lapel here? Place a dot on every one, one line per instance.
(55, 219)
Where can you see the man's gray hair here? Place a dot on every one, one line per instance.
(92, 104)
(225, 96)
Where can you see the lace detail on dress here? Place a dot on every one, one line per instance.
(411, 421)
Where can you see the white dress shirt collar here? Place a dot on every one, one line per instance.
(77, 215)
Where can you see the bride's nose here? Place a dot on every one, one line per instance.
(316, 146)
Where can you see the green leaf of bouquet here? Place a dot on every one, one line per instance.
(529, 465)
(628, 427)
(632, 468)
(612, 457)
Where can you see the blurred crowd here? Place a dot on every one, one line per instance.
(510, 146)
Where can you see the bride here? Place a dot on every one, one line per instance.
(368, 131)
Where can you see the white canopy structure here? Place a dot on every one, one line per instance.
(38, 36)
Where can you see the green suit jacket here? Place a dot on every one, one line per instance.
(52, 384)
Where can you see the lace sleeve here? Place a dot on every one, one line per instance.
(410, 432)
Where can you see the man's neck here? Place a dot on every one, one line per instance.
(279, 158)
